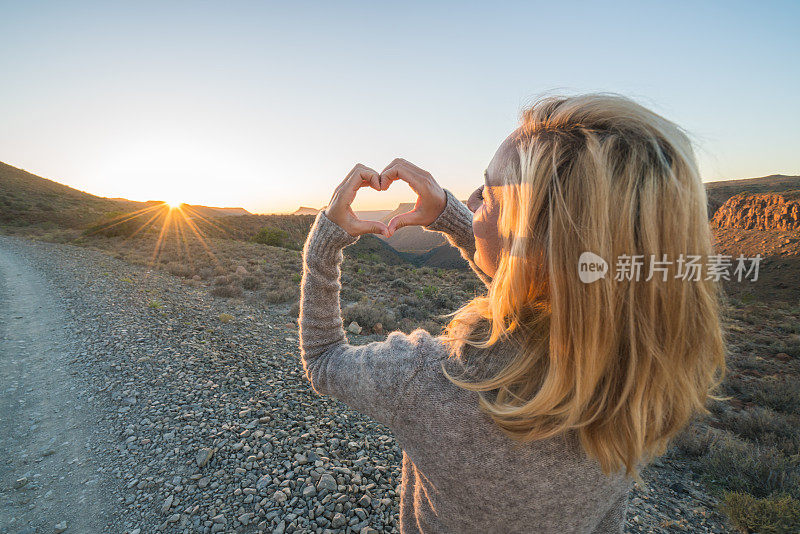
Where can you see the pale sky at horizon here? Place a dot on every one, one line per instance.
(267, 106)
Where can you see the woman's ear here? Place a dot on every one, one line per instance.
(475, 199)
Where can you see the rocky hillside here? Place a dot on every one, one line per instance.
(720, 192)
(27, 199)
(767, 211)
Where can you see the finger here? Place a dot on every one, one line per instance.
(370, 227)
(360, 176)
(401, 172)
(404, 219)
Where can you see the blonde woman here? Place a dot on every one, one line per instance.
(537, 408)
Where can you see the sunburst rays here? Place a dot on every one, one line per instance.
(177, 226)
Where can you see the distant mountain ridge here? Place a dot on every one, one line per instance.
(207, 211)
(303, 210)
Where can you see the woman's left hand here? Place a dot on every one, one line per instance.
(340, 211)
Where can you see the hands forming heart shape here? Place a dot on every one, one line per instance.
(431, 198)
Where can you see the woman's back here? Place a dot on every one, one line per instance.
(461, 473)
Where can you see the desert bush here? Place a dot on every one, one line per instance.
(737, 465)
(764, 425)
(368, 314)
(180, 269)
(351, 294)
(226, 291)
(413, 307)
(272, 236)
(400, 285)
(426, 292)
(432, 327)
(692, 442)
(280, 294)
(778, 513)
(780, 395)
(222, 280)
(251, 283)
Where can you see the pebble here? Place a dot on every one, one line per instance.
(327, 482)
(203, 456)
(167, 504)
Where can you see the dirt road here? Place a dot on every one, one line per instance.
(48, 472)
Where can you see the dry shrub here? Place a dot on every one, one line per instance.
(368, 314)
(229, 291)
(251, 283)
(280, 294)
(766, 426)
(692, 442)
(738, 465)
(180, 269)
(779, 513)
(780, 395)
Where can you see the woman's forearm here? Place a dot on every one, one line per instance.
(371, 378)
(320, 311)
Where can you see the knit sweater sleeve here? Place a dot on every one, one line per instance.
(455, 222)
(373, 378)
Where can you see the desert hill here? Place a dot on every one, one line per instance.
(26, 198)
(373, 215)
(29, 199)
(303, 210)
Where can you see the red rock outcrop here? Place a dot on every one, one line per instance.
(768, 211)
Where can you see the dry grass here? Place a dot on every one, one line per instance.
(778, 514)
(748, 448)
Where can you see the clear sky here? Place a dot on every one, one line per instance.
(268, 105)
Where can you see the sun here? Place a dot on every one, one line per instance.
(173, 204)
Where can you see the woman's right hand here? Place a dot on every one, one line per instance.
(340, 209)
(431, 198)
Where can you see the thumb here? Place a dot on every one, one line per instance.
(404, 219)
(370, 227)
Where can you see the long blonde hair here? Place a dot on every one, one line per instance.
(624, 363)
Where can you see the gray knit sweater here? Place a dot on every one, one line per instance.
(460, 472)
